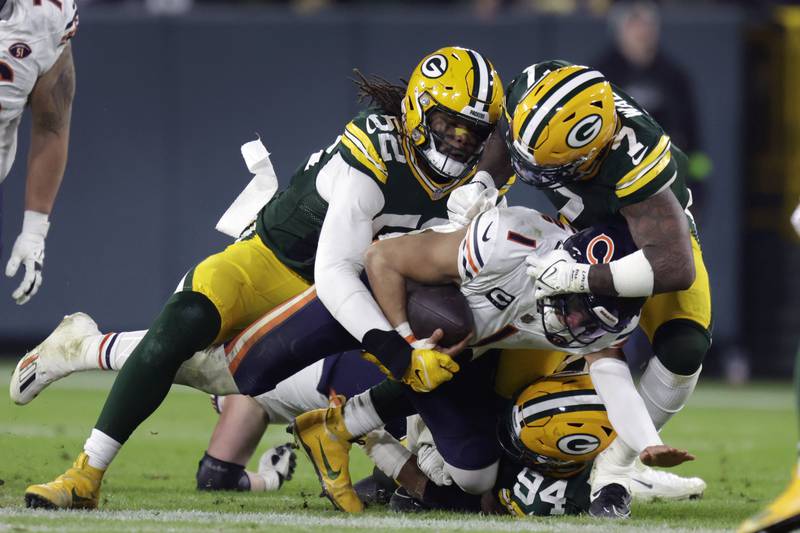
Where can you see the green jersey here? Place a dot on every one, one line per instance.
(640, 162)
(371, 143)
(535, 494)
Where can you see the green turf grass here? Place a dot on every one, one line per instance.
(743, 437)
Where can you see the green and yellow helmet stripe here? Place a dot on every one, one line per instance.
(557, 403)
(483, 82)
(540, 103)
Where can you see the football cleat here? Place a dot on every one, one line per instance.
(57, 356)
(783, 514)
(322, 435)
(611, 501)
(375, 489)
(77, 488)
(648, 484)
(403, 502)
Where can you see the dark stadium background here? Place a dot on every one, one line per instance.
(164, 102)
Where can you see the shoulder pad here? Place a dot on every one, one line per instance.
(362, 146)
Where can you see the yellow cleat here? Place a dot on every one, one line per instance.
(783, 514)
(77, 488)
(322, 434)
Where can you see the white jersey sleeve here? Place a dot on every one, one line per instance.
(31, 41)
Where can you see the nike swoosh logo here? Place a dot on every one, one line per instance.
(638, 157)
(79, 499)
(648, 485)
(329, 471)
(419, 375)
(486, 233)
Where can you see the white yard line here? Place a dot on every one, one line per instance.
(321, 521)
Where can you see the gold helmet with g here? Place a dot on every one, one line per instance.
(556, 425)
(459, 89)
(560, 126)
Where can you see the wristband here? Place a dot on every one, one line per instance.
(404, 330)
(632, 275)
(36, 223)
(484, 178)
(390, 349)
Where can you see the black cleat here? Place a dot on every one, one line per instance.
(375, 489)
(403, 502)
(611, 501)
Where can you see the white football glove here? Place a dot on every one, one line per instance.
(796, 219)
(28, 251)
(431, 462)
(471, 199)
(557, 273)
(277, 465)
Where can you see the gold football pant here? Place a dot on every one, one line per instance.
(244, 281)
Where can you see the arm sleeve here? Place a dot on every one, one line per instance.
(354, 199)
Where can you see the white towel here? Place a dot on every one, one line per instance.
(258, 192)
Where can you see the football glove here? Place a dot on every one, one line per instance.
(428, 369)
(277, 465)
(796, 219)
(471, 199)
(557, 273)
(28, 251)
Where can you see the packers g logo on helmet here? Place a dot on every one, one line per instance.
(463, 85)
(561, 125)
(557, 425)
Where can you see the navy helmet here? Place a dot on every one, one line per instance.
(576, 320)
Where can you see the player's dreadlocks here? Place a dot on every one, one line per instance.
(380, 92)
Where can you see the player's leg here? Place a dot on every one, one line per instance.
(783, 514)
(220, 297)
(678, 325)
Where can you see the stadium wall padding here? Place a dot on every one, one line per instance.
(164, 104)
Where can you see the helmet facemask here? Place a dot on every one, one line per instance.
(551, 176)
(578, 320)
(436, 140)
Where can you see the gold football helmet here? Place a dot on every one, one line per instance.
(556, 425)
(452, 103)
(561, 125)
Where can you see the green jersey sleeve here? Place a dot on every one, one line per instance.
(360, 144)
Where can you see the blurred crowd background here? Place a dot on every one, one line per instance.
(169, 89)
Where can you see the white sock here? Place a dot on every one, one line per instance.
(101, 449)
(664, 392)
(388, 455)
(112, 349)
(360, 416)
(619, 454)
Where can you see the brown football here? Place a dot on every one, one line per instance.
(438, 306)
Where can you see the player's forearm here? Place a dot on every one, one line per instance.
(387, 283)
(495, 160)
(47, 160)
(664, 263)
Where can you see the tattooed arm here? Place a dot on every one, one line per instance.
(659, 228)
(51, 107)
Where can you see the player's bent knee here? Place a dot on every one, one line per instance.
(474, 481)
(213, 474)
(681, 346)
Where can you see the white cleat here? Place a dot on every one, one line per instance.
(648, 484)
(57, 356)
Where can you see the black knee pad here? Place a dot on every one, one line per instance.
(213, 474)
(681, 346)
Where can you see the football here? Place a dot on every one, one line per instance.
(438, 306)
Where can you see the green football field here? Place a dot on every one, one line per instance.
(743, 437)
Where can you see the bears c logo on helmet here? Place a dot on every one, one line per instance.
(585, 131)
(434, 66)
(604, 256)
(578, 444)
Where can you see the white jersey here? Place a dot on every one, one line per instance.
(32, 38)
(491, 263)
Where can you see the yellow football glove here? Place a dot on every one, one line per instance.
(374, 360)
(428, 369)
